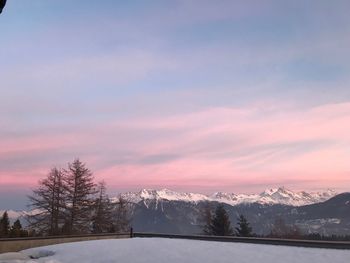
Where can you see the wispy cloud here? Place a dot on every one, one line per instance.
(227, 143)
(202, 94)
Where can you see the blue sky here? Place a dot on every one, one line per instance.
(142, 90)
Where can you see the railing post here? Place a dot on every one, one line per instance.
(131, 232)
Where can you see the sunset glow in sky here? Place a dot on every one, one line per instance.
(198, 96)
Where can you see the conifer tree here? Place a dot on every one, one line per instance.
(221, 225)
(243, 229)
(80, 198)
(17, 230)
(4, 225)
(48, 200)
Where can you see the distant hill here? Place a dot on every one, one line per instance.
(176, 216)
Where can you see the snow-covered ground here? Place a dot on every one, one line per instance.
(161, 250)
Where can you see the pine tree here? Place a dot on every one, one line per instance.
(49, 202)
(80, 198)
(4, 225)
(17, 230)
(221, 225)
(243, 229)
(102, 221)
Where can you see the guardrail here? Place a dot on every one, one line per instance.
(18, 244)
(255, 240)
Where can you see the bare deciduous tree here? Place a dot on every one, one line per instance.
(281, 230)
(205, 219)
(122, 216)
(48, 202)
(102, 221)
(66, 203)
(80, 198)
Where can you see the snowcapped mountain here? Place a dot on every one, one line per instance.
(12, 213)
(279, 195)
(272, 196)
(166, 211)
(284, 196)
(164, 194)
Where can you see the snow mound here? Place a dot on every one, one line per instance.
(5, 257)
(41, 254)
(26, 256)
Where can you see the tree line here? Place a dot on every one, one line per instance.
(6, 230)
(218, 223)
(68, 201)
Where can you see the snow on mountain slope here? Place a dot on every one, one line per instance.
(164, 194)
(279, 195)
(13, 214)
(288, 197)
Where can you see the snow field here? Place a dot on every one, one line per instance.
(162, 250)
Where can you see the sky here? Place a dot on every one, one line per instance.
(199, 96)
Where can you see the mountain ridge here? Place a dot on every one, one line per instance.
(280, 195)
(154, 213)
(271, 196)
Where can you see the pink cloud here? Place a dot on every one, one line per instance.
(210, 149)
